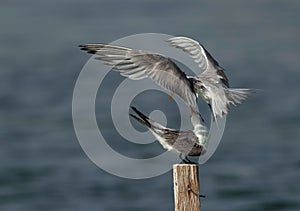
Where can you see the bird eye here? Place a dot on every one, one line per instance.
(202, 87)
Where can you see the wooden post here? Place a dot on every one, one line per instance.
(186, 187)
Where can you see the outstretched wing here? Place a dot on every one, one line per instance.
(138, 64)
(211, 68)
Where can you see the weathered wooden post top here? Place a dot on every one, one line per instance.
(186, 187)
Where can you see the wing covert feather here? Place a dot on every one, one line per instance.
(138, 64)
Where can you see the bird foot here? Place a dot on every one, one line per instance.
(186, 160)
(171, 95)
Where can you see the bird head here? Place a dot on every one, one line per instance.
(201, 89)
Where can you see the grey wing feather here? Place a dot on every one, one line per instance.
(138, 64)
(202, 57)
(187, 143)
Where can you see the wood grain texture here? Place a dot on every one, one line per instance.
(186, 187)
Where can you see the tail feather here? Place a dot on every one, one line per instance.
(237, 96)
(144, 120)
(220, 103)
(143, 116)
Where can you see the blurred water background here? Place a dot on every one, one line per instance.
(42, 166)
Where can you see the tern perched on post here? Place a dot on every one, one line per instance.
(212, 84)
(188, 142)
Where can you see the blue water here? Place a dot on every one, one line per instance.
(42, 166)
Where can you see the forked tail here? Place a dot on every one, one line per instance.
(143, 119)
(237, 96)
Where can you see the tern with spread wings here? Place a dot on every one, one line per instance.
(212, 84)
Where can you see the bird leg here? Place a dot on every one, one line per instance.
(180, 156)
(186, 160)
(192, 110)
(171, 95)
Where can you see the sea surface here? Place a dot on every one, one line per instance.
(43, 167)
